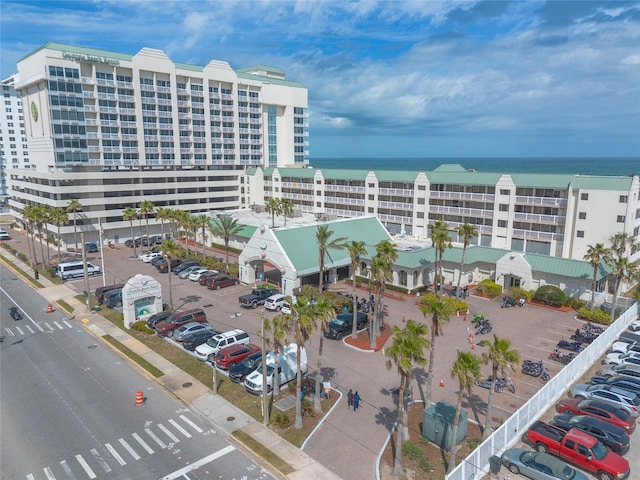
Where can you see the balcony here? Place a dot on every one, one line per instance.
(478, 197)
(184, 115)
(163, 101)
(108, 123)
(166, 138)
(395, 219)
(199, 128)
(396, 206)
(150, 125)
(228, 129)
(88, 94)
(94, 149)
(127, 111)
(166, 150)
(110, 136)
(87, 80)
(226, 96)
(124, 84)
(109, 110)
(147, 88)
(461, 212)
(343, 188)
(93, 135)
(185, 151)
(131, 124)
(537, 218)
(106, 96)
(183, 91)
(197, 104)
(343, 200)
(104, 81)
(183, 103)
(550, 201)
(126, 98)
(90, 108)
(226, 108)
(534, 235)
(162, 113)
(200, 150)
(130, 137)
(130, 149)
(227, 151)
(214, 95)
(163, 89)
(255, 110)
(151, 149)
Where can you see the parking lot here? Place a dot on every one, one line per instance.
(533, 330)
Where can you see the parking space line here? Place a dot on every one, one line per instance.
(67, 469)
(179, 428)
(31, 477)
(168, 433)
(101, 461)
(193, 425)
(83, 463)
(115, 454)
(49, 473)
(142, 443)
(133, 453)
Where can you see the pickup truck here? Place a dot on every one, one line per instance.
(256, 297)
(579, 448)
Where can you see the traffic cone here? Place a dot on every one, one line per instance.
(442, 382)
(49, 308)
(139, 399)
(473, 346)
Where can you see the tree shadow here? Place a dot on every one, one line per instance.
(327, 374)
(188, 299)
(421, 377)
(477, 405)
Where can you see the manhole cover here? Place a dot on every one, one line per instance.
(187, 384)
(92, 346)
(230, 419)
(208, 305)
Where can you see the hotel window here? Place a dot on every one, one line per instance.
(502, 223)
(584, 196)
(623, 199)
(503, 207)
(146, 81)
(580, 234)
(504, 191)
(420, 214)
(582, 215)
(370, 209)
(620, 219)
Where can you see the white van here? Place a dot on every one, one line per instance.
(4, 235)
(75, 269)
(208, 350)
(287, 366)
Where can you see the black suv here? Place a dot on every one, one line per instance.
(163, 267)
(341, 326)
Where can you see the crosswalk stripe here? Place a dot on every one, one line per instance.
(182, 473)
(49, 474)
(49, 327)
(20, 331)
(105, 466)
(179, 428)
(39, 327)
(155, 438)
(60, 327)
(133, 453)
(67, 324)
(29, 328)
(115, 454)
(67, 469)
(142, 443)
(169, 434)
(83, 463)
(10, 332)
(31, 477)
(193, 425)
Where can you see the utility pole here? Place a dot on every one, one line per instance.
(104, 277)
(265, 390)
(86, 274)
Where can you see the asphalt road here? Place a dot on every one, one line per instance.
(68, 408)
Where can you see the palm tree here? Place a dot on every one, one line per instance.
(441, 241)
(181, 219)
(381, 272)
(170, 250)
(623, 270)
(286, 209)
(40, 219)
(146, 209)
(225, 227)
(47, 212)
(596, 255)
(620, 242)
(163, 214)
(302, 326)
(440, 310)
(467, 232)
(407, 350)
(501, 357)
(326, 243)
(58, 218)
(356, 250)
(29, 214)
(322, 312)
(275, 333)
(273, 207)
(74, 207)
(465, 369)
(192, 228)
(130, 214)
(203, 222)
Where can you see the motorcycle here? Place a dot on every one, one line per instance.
(584, 336)
(507, 302)
(15, 313)
(499, 386)
(558, 356)
(535, 369)
(483, 327)
(573, 346)
(591, 328)
(478, 317)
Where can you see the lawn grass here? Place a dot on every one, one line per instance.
(263, 452)
(65, 306)
(156, 372)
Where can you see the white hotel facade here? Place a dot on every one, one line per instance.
(111, 130)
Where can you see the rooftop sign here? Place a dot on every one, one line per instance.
(79, 57)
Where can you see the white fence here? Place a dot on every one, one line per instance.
(476, 465)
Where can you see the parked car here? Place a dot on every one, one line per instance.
(158, 260)
(286, 308)
(597, 409)
(624, 347)
(632, 358)
(257, 297)
(91, 247)
(137, 241)
(274, 302)
(147, 257)
(155, 239)
(230, 356)
(539, 465)
(629, 402)
(342, 325)
(611, 436)
(635, 326)
(194, 276)
(157, 317)
(626, 369)
(102, 291)
(187, 271)
(221, 281)
(113, 298)
(207, 351)
(189, 328)
(177, 319)
(239, 372)
(184, 265)
(206, 276)
(194, 340)
(163, 267)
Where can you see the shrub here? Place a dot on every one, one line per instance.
(141, 326)
(489, 287)
(550, 295)
(575, 303)
(596, 315)
(516, 293)
(281, 420)
(307, 408)
(412, 450)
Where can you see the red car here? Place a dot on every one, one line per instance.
(221, 281)
(230, 356)
(601, 410)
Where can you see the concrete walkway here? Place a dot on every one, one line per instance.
(223, 414)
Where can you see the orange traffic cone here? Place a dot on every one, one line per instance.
(442, 382)
(473, 346)
(49, 308)
(139, 399)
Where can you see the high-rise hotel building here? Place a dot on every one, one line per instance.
(13, 139)
(112, 129)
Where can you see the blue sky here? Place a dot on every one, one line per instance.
(394, 78)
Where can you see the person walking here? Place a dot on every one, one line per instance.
(356, 401)
(350, 398)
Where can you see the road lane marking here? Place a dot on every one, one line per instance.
(25, 313)
(193, 425)
(83, 463)
(67, 324)
(20, 331)
(31, 477)
(198, 463)
(60, 327)
(101, 461)
(29, 328)
(67, 469)
(49, 473)
(133, 453)
(115, 454)
(179, 428)
(168, 433)
(142, 443)
(154, 437)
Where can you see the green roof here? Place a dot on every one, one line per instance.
(564, 267)
(602, 183)
(301, 246)
(276, 81)
(396, 176)
(246, 231)
(266, 68)
(541, 180)
(463, 178)
(82, 51)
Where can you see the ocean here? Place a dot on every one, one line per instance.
(574, 166)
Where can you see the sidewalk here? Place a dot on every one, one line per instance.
(223, 414)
